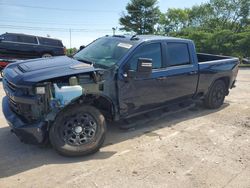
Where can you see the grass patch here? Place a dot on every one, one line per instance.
(244, 65)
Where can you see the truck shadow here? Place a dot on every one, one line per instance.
(16, 157)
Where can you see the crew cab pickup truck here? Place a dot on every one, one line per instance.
(69, 100)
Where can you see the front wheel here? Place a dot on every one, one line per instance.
(216, 95)
(78, 130)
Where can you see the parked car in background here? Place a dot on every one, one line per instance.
(22, 46)
(4, 63)
(246, 60)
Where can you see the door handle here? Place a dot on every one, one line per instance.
(162, 78)
(192, 72)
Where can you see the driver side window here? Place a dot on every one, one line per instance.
(151, 51)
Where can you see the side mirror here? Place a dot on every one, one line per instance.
(144, 68)
(81, 47)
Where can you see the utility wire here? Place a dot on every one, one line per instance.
(61, 9)
(53, 29)
(54, 23)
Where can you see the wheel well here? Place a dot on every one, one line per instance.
(47, 52)
(104, 104)
(226, 80)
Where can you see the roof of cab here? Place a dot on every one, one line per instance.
(142, 38)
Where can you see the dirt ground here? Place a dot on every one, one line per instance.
(192, 148)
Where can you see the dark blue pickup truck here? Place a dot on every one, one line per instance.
(68, 100)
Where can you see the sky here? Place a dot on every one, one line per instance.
(87, 20)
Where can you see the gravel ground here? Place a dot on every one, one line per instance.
(191, 148)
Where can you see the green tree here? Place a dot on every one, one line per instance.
(214, 15)
(230, 14)
(71, 51)
(174, 20)
(201, 16)
(200, 37)
(141, 17)
(241, 47)
(219, 26)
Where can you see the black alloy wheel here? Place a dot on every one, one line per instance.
(216, 95)
(78, 130)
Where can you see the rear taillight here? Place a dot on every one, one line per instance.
(64, 50)
(3, 63)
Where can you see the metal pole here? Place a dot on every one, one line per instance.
(113, 30)
(70, 37)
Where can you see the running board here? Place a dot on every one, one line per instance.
(155, 114)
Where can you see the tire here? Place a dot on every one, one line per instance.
(216, 95)
(78, 130)
(46, 55)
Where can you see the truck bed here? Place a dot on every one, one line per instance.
(212, 67)
(203, 58)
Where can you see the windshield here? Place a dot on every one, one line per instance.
(104, 51)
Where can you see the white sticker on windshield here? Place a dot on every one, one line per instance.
(124, 45)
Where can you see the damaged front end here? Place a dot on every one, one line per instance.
(31, 110)
(61, 92)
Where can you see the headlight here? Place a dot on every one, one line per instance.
(2, 73)
(40, 90)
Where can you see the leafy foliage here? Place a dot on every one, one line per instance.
(71, 51)
(225, 42)
(141, 16)
(219, 26)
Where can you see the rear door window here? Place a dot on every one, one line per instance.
(50, 42)
(178, 54)
(27, 39)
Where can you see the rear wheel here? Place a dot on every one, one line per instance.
(216, 95)
(78, 130)
(46, 55)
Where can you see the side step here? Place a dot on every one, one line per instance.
(155, 114)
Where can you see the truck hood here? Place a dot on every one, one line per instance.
(29, 72)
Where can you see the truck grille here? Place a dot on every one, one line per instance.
(11, 86)
(23, 110)
(14, 105)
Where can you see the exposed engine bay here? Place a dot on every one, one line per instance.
(63, 90)
(53, 95)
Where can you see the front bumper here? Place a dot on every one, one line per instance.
(35, 133)
(233, 84)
